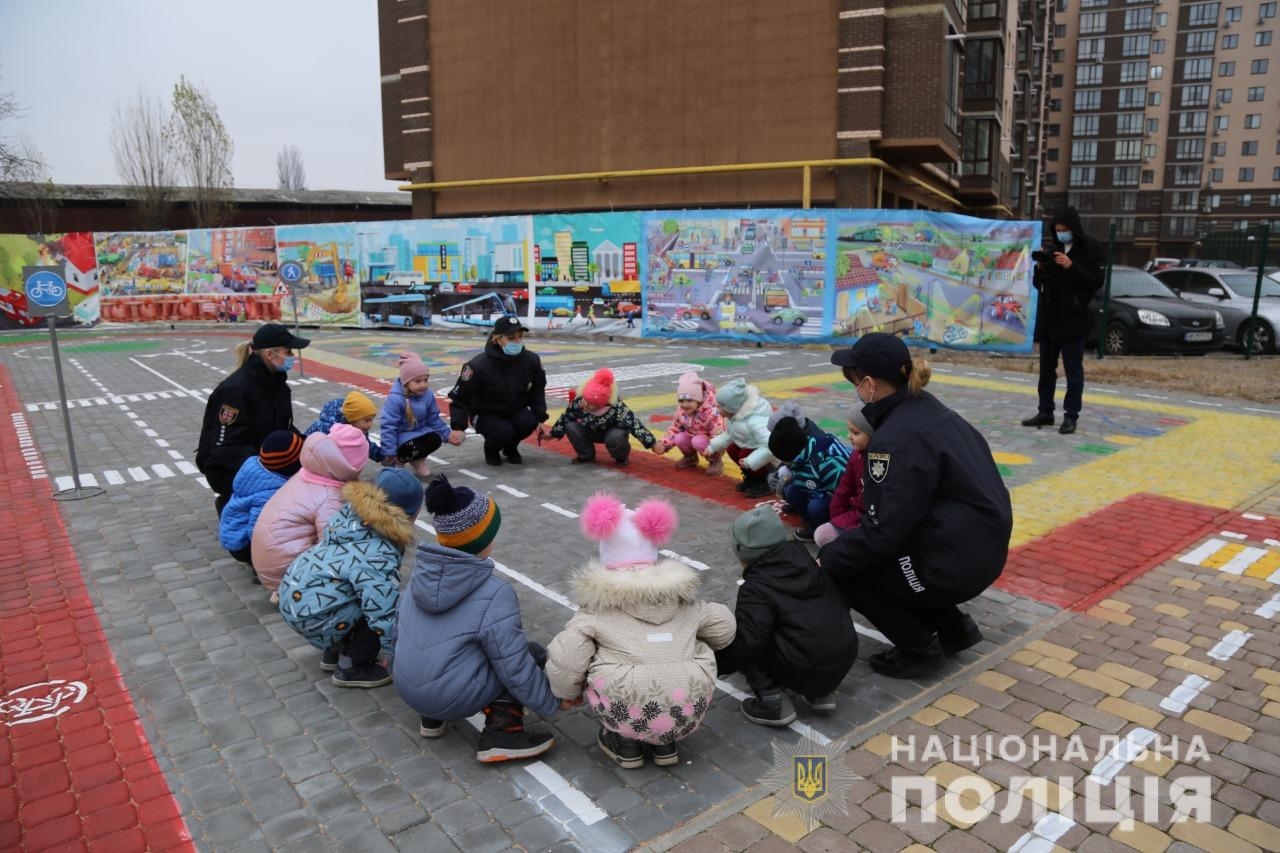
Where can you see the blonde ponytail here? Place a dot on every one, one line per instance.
(243, 351)
(920, 374)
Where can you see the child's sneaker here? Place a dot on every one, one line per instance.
(688, 460)
(429, 727)
(626, 753)
(804, 534)
(503, 737)
(666, 754)
(715, 465)
(770, 708)
(756, 489)
(362, 675)
(826, 702)
(329, 660)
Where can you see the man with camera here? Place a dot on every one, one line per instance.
(1068, 273)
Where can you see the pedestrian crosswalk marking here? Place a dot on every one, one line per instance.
(1236, 558)
(164, 472)
(113, 478)
(139, 475)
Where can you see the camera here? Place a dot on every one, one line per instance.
(1044, 255)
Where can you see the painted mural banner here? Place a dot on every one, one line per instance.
(450, 273)
(329, 292)
(586, 270)
(74, 251)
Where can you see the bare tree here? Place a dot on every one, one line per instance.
(290, 173)
(143, 157)
(31, 186)
(204, 150)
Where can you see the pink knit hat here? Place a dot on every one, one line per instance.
(600, 389)
(411, 367)
(689, 387)
(352, 443)
(628, 538)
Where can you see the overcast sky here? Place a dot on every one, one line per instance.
(282, 72)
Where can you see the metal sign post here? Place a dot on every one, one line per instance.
(47, 297)
(291, 273)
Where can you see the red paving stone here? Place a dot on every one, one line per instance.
(63, 782)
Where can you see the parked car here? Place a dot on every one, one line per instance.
(1143, 315)
(1230, 291)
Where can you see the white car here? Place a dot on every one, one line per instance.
(1231, 292)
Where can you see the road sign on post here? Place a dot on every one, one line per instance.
(291, 273)
(47, 297)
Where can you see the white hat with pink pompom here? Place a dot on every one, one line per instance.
(629, 538)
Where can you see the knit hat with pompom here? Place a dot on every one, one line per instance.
(628, 538)
(600, 390)
(464, 518)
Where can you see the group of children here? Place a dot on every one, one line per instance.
(642, 651)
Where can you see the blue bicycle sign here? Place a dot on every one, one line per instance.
(46, 289)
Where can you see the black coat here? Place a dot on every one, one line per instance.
(792, 623)
(244, 409)
(500, 384)
(932, 494)
(1064, 313)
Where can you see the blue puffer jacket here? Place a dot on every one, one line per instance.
(395, 425)
(459, 641)
(819, 466)
(330, 414)
(250, 491)
(353, 571)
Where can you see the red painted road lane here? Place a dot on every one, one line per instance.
(84, 776)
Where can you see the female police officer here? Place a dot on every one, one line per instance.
(503, 389)
(938, 518)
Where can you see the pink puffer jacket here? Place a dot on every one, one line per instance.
(295, 517)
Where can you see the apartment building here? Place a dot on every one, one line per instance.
(1164, 117)
(944, 101)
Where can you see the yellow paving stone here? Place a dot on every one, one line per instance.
(1171, 610)
(1110, 616)
(1053, 666)
(1218, 725)
(1025, 657)
(1112, 604)
(1098, 681)
(1251, 829)
(954, 703)
(1272, 692)
(1140, 836)
(1223, 555)
(881, 745)
(1271, 709)
(1206, 836)
(1199, 668)
(1128, 675)
(1219, 601)
(1155, 763)
(1229, 626)
(788, 827)
(1265, 567)
(1051, 650)
(1131, 711)
(1270, 676)
(916, 848)
(1046, 794)
(945, 773)
(1055, 723)
(1175, 647)
(996, 680)
(1254, 582)
(930, 716)
(1185, 583)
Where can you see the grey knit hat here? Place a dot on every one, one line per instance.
(788, 409)
(859, 419)
(756, 532)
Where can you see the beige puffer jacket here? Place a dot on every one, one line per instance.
(640, 651)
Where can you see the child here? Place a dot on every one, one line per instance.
(341, 593)
(794, 630)
(355, 409)
(641, 648)
(816, 464)
(412, 428)
(746, 435)
(596, 415)
(295, 517)
(780, 477)
(696, 422)
(258, 479)
(846, 504)
(459, 645)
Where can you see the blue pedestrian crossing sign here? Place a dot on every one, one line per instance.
(291, 272)
(46, 288)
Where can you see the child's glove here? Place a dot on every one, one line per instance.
(779, 479)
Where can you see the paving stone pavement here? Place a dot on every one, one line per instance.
(260, 751)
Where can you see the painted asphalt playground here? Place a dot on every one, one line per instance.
(153, 697)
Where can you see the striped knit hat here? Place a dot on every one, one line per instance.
(282, 452)
(464, 519)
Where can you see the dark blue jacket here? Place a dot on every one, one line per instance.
(459, 641)
(250, 491)
(819, 466)
(330, 414)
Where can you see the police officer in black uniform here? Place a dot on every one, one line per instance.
(246, 406)
(938, 518)
(502, 391)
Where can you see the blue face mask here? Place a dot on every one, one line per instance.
(513, 348)
(288, 363)
(1064, 237)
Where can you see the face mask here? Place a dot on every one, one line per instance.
(513, 348)
(288, 363)
(857, 389)
(1065, 237)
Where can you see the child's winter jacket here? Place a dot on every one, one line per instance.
(846, 503)
(252, 488)
(618, 414)
(705, 420)
(459, 641)
(353, 571)
(819, 466)
(640, 651)
(330, 414)
(395, 421)
(295, 517)
(749, 429)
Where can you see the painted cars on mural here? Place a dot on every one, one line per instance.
(1143, 315)
(794, 316)
(1005, 307)
(692, 312)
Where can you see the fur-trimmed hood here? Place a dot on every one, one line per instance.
(370, 505)
(651, 594)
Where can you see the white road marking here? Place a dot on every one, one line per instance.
(576, 801)
(1044, 835)
(472, 474)
(113, 478)
(513, 492)
(1242, 561)
(702, 567)
(560, 510)
(1270, 609)
(1203, 552)
(164, 472)
(187, 468)
(1229, 645)
(139, 475)
(1182, 695)
(1133, 745)
(1230, 535)
(1253, 516)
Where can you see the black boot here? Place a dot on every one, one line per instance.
(492, 457)
(965, 634)
(769, 707)
(1038, 420)
(513, 454)
(627, 753)
(504, 737)
(901, 662)
(1068, 424)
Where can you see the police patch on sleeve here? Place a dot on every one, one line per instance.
(466, 373)
(877, 466)
(227, 415)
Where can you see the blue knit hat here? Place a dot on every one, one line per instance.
(732, 395)
(401, 488)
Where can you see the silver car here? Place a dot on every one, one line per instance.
(1231, 292)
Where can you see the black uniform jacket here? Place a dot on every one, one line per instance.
(1063, 313)
(500, 384)
(933, 495)
(244, 409)
(792, 622)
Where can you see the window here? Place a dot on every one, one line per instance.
(1124, 176)
(1197, 69)
(1153, 125)
(1218, 149)
(1186, 176)
(1267, 10)
(1253, 121)
(1275, 199)
(1132, 97)
(1185, 200)
(1084, 126)
(1136, 45)
(1051, 155)
(1090, 48)
(1055, 105)
(1202, 41)
(1131, 72)
(1051, 179)
(1149, 150)
(1246, 175)
(981, 68)
(1230, 42)
(980, 9)
(1182, 226)
(1093, 22)
(1195, 96)
(1084, 152)
(1275, 176)
(1053, 130)
(1056, 81)
(1249, 149)
(1157, 72)
(1262, 39)
(1223, 96)
(1088, 99)
(1193, 122)
(1189, 149)
(1259, 66)
(1128, 123)
(1128, 149)
(1153, 99)
(1127, 202)
(1083, 176)
(1221, 123)
(1216, 175)
(1246, 199)
(1148, 176)
(977, 141)
(1088, 75)
(1203, 15)
(1226, 69)
(1060, 31)
(1137, 19)
(1157, 46)
(1058, 56)
(1232, 13)
(1257, 93)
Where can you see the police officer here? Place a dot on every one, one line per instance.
(246, 406)
(503, 391)
(938, 518)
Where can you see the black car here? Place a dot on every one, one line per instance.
(1144, 315)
